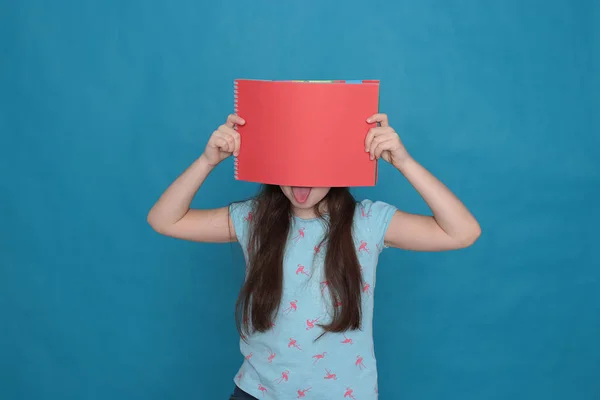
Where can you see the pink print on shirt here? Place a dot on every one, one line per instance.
(318, 357)
(300, 235)
(301, 270)
(329, 375)
(249, 356)
(293, 307)
(294, 343)
(363, 247)
(324, 285)
(302, 392)
(363, 213)
(262, 388)
(271, 356)
(346, 340)
(310, 323)
(359, 362)
(317, 249)
(367, 288)
(284, 377)
(348, 394)
(248, 218)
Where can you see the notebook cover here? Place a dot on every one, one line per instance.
(306, 133)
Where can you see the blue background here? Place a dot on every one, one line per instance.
(103, 104)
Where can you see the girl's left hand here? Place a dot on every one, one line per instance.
(384, 142)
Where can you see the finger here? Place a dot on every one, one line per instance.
(233, 120)
(228, 138)
(236, 144)
(381, 119)
(369, 140)
(380, 135)
(382, 146)
(230, 132)
(219, 143)
(227, 130)
(372, 134)
(374, 144)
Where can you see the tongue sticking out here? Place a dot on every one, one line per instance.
(300, 193)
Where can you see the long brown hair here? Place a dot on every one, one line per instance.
(260, 296)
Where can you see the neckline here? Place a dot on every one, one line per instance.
(300, 219)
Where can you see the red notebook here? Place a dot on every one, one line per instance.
(305, 133)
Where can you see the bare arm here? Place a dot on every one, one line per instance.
(172, 216)
(451, 227)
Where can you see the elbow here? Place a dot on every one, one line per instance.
(471, 237)
(152, 221)
(155, 223)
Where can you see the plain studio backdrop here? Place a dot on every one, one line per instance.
(104, 103)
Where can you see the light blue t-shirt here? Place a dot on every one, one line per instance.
(285, 362)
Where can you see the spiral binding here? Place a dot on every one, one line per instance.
(235, 110)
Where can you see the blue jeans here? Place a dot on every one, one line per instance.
(239, 394)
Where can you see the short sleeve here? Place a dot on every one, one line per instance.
(374, 218)
(241, 217)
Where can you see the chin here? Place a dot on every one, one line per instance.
(307, 205)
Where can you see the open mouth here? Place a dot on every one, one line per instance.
(301, 193)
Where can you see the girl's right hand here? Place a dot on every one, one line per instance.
(224, 142)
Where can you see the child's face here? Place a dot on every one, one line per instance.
(304, 197)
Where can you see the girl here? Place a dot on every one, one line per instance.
(305, 310)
